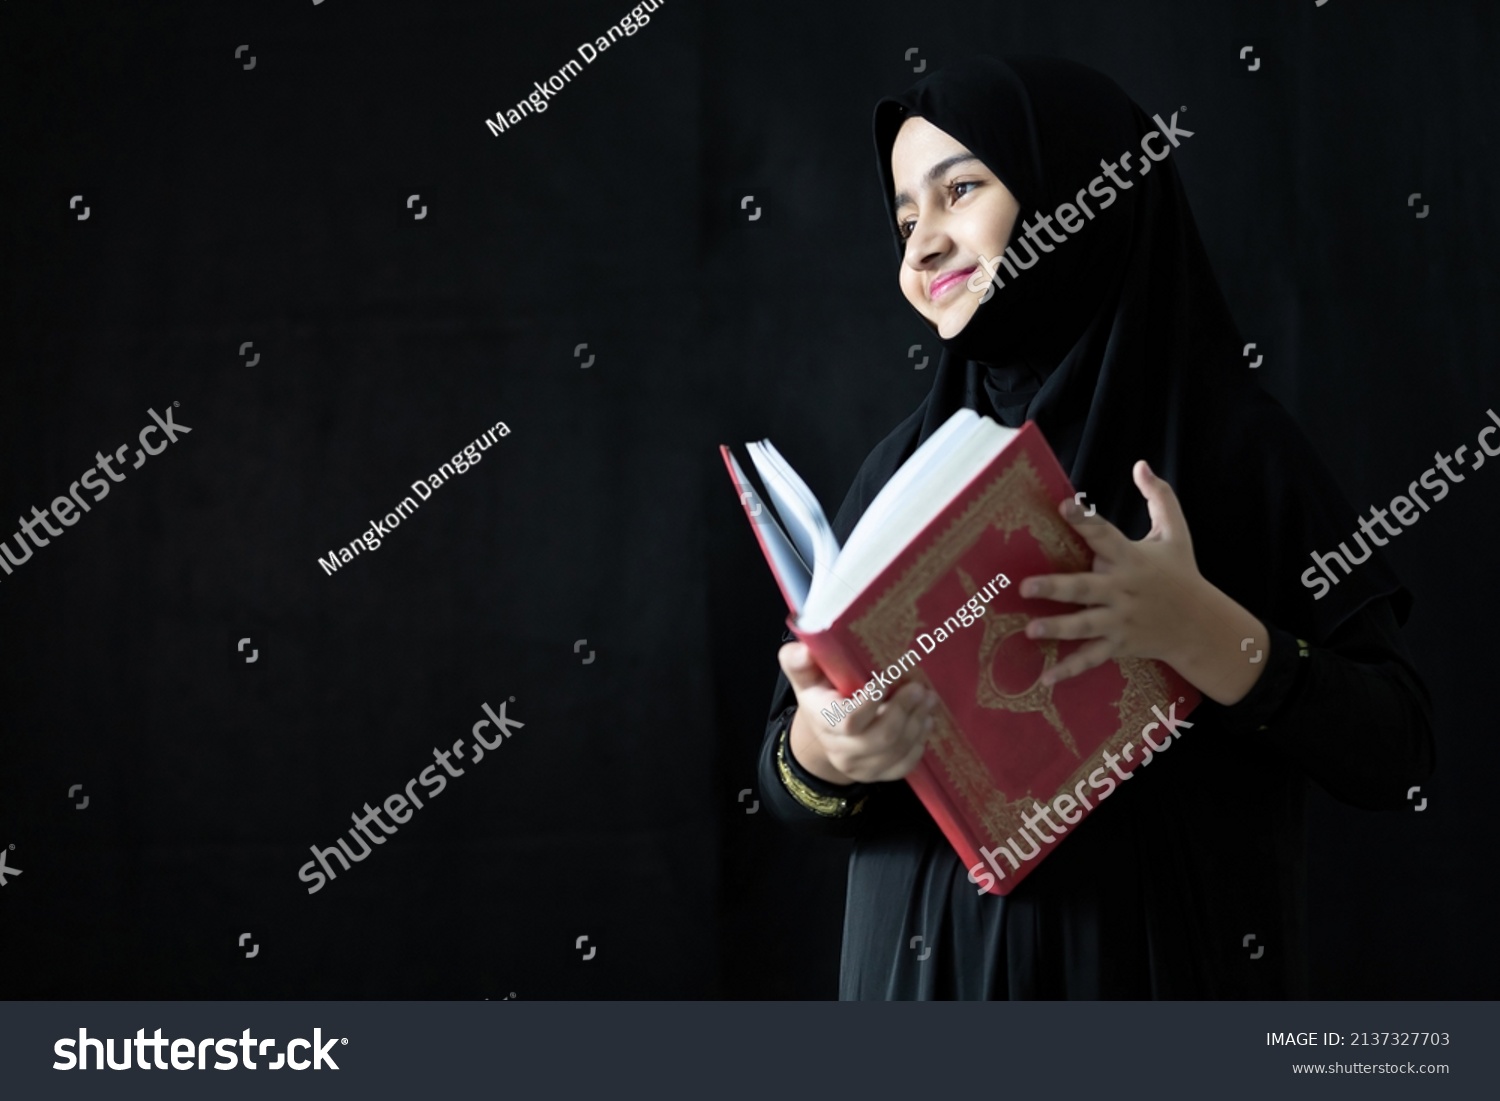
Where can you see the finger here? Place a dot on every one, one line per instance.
(802, 671)
(912, 704)
(1080, 661)
(903, 767)
(903, 700)
(1167, 520)
(1103, 538)
(1092, 623)
(918, 720)
(1070, 588)
(910, 744)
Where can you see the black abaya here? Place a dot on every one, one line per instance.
(1155, 893)
(1188, 882)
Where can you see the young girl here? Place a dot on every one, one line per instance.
(1104, 324)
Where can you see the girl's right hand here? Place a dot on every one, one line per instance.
(879, 740)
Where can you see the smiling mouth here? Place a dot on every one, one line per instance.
(944, 283)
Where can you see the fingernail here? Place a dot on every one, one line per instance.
(1029, 588)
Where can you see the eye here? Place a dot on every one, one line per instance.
(905, 227)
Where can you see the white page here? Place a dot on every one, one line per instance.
(914, 503)
(933, 450)
(796, 502)
(791, 506)
(789, 566)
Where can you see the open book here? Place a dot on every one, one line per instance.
(924, 589)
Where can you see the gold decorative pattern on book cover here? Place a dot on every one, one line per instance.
(1014, 502)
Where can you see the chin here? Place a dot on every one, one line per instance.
(953, 320)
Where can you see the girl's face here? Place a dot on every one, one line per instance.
(952, 211)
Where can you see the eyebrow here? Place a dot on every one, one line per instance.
(902, 198)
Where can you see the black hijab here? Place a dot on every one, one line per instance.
(1119, 344)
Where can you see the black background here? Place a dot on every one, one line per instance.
(270, 205)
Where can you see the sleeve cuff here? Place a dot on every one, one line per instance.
(816, 794)
(1261, 705)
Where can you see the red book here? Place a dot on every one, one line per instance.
(930, 594)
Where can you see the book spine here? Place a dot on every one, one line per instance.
(758, 515)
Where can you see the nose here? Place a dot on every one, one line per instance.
(927, 245)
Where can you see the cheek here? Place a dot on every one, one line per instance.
(987, 236)
(1005, 221)
(911, 287)
(988, 228)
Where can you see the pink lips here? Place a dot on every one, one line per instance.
(942, 283)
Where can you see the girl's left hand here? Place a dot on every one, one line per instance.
(1146, 598)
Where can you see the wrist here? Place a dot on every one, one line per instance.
(825, 799)
(1213, 654)
(808, 752)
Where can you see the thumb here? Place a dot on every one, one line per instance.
(801, 670)
(1161, 503)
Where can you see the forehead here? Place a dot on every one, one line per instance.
(921, 155)
(919, 145)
